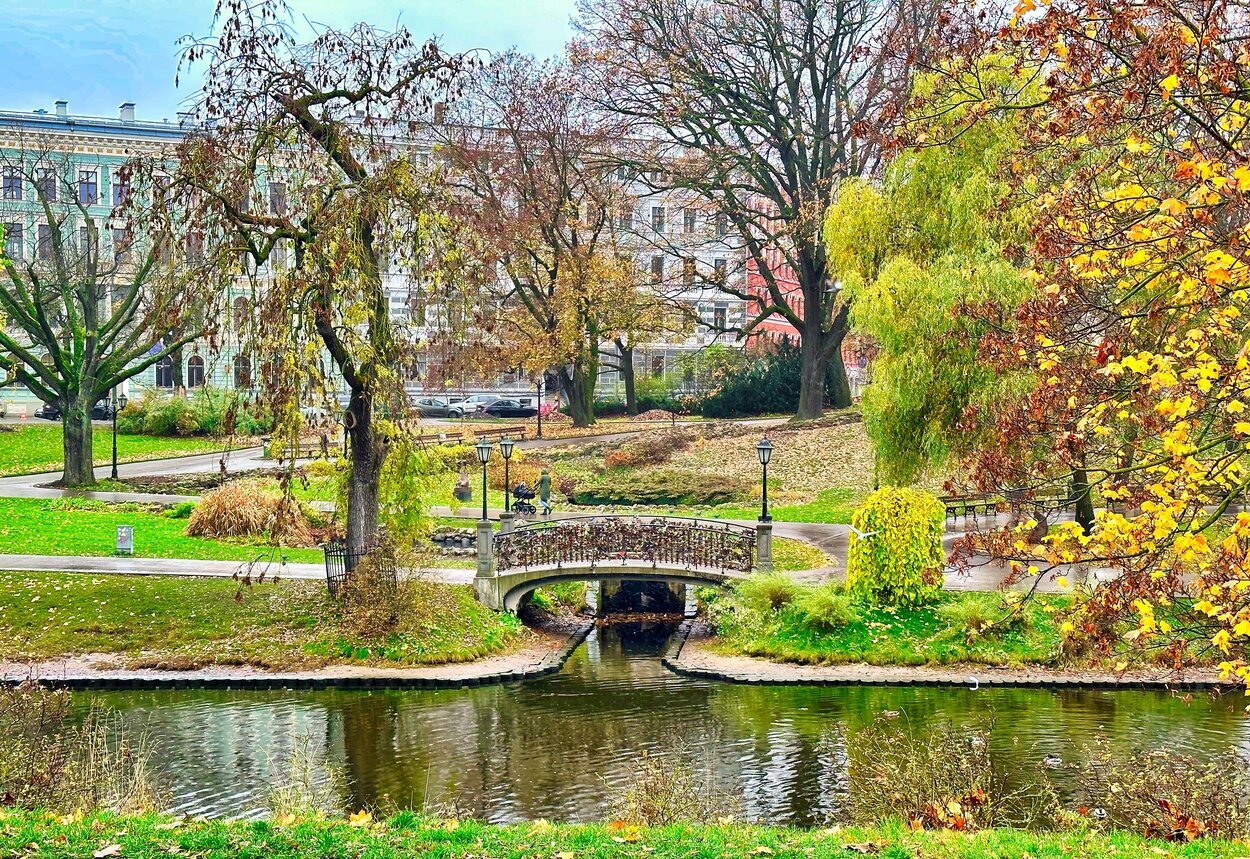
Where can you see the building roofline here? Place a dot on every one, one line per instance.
(44, 122)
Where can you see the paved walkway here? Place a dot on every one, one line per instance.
(832, 539)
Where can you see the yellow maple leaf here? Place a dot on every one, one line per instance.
(360, 818)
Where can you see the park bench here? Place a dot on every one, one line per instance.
(495, 434)
(968, 505)
(440, 438)
(306, 448)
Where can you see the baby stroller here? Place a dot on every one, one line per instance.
(523, 495)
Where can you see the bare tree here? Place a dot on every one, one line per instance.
(87, 300)
(760, 107)
(305, 163)
(532, 165)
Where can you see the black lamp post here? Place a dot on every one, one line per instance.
(483, 456)
(765, 451)
(540, 407)
(505, 447)
(119, 402)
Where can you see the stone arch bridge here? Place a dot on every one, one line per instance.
(512, 564)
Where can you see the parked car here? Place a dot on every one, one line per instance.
(433, 407)
(101, 411)
(475, 404)
(510, 409)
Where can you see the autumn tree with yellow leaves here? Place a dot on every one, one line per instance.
(1136, 167)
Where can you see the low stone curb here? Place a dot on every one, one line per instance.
(775, 674)
(311, 680)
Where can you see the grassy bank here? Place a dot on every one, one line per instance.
(37, 448)
(951, 631)
(406, 834)
(190, 622)
(82, 527)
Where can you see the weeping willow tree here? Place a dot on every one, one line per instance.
(932, 240)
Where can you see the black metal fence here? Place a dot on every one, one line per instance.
(593, 541)
(341, 562)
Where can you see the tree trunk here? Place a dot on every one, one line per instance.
(179, 376)
(368, 453)
(815, 369)
(628, 377)
(1083, 499)
(79, 467)
(579, 385)
(839, 385)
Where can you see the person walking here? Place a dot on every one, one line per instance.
(544, 492)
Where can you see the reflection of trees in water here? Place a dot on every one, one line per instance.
(557, 747)
(217, 751)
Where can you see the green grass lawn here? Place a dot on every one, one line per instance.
(830, 505)
(408, 834)
(932, 634)
(188, 622)
(37, 448)
(82, 527)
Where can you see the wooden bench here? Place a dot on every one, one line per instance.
(514, 433)
(306, 448)
(968, 505)
(440, 438)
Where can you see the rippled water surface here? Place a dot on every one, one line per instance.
(557, 748)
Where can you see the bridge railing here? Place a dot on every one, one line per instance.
(595, 541)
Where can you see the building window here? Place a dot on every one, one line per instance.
(722, 225)
(121, 189)
(627, 219)
(165, 373)
(657, 364)
(12, 189)
(657, 218)
(43, 246)
(719, 266)
(45, 184)
(278, 257)
(720, 317)
(277, 198)
(687, 271)
(241, 313)
(14, 246)
(195, 248)
(88, 187)
(195, 371)
(689, 219)
(242, 371)
(121, 244)
(657, 269)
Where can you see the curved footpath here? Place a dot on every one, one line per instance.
(689, 655)
(546, 655)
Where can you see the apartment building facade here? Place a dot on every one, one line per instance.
(686, 251)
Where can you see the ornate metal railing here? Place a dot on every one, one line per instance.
(602, 540)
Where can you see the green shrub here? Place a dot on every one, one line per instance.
(766, 383)
(208, 411)
(901, 561)
(827, 608)
(977, 615)
(662, 487)
(182, 510)
(768, 591)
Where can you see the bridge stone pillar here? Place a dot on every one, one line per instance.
(764, 547)
(507, 521)
(486, 583)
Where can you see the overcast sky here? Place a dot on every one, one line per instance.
(98, 53)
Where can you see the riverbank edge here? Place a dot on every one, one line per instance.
(686, 655)
(151, 836)
(53, 673)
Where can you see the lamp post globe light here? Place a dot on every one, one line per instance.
(765, 451)
(119, 402)
(483, 456)
(505, 447)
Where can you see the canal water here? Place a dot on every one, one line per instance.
(559, 748)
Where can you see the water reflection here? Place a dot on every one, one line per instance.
(558, 747)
